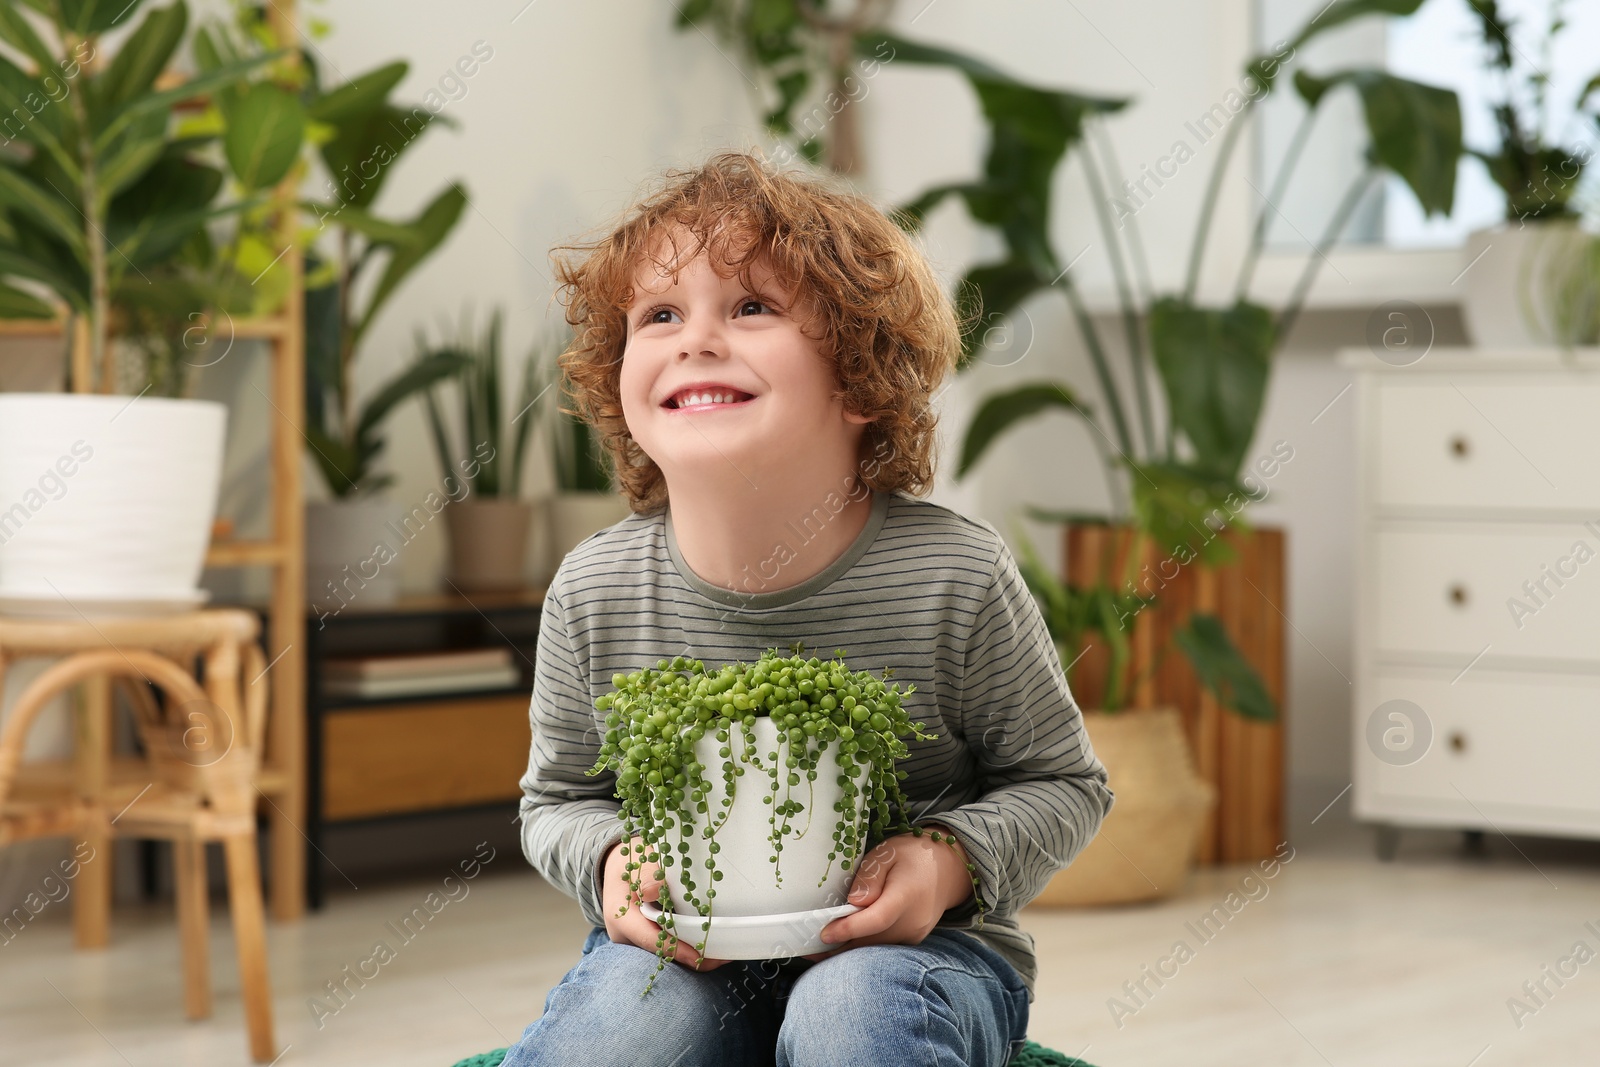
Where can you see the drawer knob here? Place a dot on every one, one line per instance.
(1458, 742)
(1459, 447)
(1458, 594)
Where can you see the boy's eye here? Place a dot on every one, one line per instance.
(651, 315)
(753, 303)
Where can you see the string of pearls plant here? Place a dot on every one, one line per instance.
(655, 717)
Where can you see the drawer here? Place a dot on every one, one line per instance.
(1476, 442)
(413, 757)
(1507, 743)
(1533, 591)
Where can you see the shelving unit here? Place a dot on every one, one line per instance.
(374, 759)
(282, 780)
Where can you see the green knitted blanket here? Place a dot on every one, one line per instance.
(1032, 1055)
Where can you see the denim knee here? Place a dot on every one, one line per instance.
(596, 1015)
(936, 1004)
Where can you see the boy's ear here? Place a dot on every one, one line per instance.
(859, 420)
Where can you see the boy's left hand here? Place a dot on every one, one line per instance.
(903, 886)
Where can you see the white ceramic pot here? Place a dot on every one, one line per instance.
(106, 502)
(766, 918)
(574, 516)
(1507, 286)
(353, 550)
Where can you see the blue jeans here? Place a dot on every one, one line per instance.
(951, 1001)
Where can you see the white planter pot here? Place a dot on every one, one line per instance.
(106, 502)
(574, 516)
(754, 916)
(1506, 289)
(352, 554)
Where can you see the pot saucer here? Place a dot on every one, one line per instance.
(754, 937)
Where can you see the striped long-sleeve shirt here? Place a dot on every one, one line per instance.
(933, 594)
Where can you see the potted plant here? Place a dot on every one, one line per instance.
(1152, 835)
(490, 522)
(365, 134)
(1507, 303)
(808, 736)
(1170, 480)
(111, 498)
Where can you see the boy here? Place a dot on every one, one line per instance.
(758, 353)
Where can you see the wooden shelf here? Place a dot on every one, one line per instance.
(252, 329)
(245, 553)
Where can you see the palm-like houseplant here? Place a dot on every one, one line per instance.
(490, 521)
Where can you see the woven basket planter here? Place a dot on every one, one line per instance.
(1150, 838)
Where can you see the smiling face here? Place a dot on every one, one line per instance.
(719, 382)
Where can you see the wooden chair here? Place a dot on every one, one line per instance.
(195, 783)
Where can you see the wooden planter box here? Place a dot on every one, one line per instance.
(1241, 758)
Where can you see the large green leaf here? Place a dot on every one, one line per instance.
(1266, 66)
(1184, 510)
(16, 304)
(28, 114)
(16, 263)
(360, 96)
(85, 18)
(1000, 411)
(1415, 129)
(266, 126)
(1214, 364)
(1030, 131)
(989, 292)
(1223, 670)
(431, 226)
(162, 102)
(19, 33)
(142, 57)
(416, 378)
(376, 230)
(1340, 12)
(58, 215)
(364, 148)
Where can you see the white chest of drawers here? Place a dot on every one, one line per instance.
(1476, 699)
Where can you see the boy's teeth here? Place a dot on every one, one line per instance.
(690, 399)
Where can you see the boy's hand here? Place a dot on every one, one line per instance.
(633, 928)
(903, 886)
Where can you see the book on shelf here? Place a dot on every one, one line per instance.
(416, 664)
(441, 683)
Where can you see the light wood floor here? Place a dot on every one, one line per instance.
(1342, 962)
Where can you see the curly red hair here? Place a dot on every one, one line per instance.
(887, 326)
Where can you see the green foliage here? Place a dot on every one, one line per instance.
(1538, 179)
(484, 421)
(582, 463)
(831, 720)
(1414, 130)
(1212, 364)
(362, 136)
(1223, 669)
(104, 205)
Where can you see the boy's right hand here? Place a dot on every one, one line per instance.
(633, 928)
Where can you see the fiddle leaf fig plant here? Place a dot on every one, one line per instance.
(655, 717)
